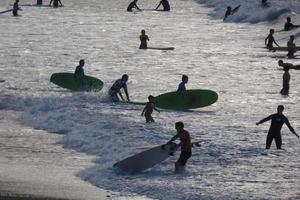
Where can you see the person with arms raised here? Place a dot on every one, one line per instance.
(277, 121)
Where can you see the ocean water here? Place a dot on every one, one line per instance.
(227, 57)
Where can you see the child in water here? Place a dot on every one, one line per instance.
(147, 111)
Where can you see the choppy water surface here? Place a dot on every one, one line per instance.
(225, 57)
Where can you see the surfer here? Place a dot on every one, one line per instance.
(181, 86)
(285, 81)
(116, 89)
(150, 106)
(291, 46)
(277, 120)
(133, 5)
(290, 65)
(288, 25)
(270, 40)
(55, 3)
(165, 5)
(143, 38)
(79, 72)
(16, 8)
(227, 13)
(186, 146)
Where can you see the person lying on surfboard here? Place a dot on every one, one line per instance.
(143, 38)
(147, 111)
(181, 86)
(288, 25)
(290, 65)
(186, 146)
(270, 40)
(116, 89)
(133, 5)
(165, 5)
(230, 11)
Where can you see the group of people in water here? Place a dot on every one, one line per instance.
(16, 7)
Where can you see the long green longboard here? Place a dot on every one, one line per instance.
(189, 99)
(67, 80)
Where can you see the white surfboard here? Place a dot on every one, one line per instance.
(146, 159)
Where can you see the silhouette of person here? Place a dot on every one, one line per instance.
(55, 3)
(270, 40)
(277, 121)
(288, 25)
(291, 47)
(133, 5)
(165, 4)
(143, 38)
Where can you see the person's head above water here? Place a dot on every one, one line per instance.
(185, 78)
(280, 109)
(143, 32)
(288, 19)
(179, 126)
(272, 31)
(280, 62)
(228, 7)
(292, 37)
(81, 62)
(151, 98)
(125, 77)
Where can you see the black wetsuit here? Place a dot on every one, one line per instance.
(15, 9)
(277, 120)
(165, 4)
(289, 26)
(39, 2)
(270, 39)
(131, 6)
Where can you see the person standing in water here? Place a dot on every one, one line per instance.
(181, 86)
(116, 89)
(270, 40)
(147, 111)
(79, 71)
(133, 5)
(16, 8)
(277, 121)
(143, 38)
(291, 47)
(185, 144)
(288, 25)
(285, 81)
(165, 4)
(55, 3)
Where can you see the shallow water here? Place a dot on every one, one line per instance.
(225, 57)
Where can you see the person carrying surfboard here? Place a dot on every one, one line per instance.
(133, 5)
(165, 4)
(143, 38)
(149, 107)
(185, 144)
(270, 40)
(277, 121)
(290, 65)
(291, 47)
(230, 11)
(288, 25)
(116, 89)
(181, 86)
(79, 71)
(16, 8)
(55, 3)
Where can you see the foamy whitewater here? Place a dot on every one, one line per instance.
(227, 57)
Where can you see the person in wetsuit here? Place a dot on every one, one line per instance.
(181, 86)
(288, 25)
(227, 13)
(165, 4)
(291, 47)
(79, 71)
(147, 111)
(116, 89)
(143, 38)
(290, 65)
(264, 3)
(133, 5)
(16, 8)
(185, 144)
(277, 120)
(285, 81)
(270, 40)
(55, 3)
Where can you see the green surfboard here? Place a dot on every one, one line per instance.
(189, 99)
(68, 81)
